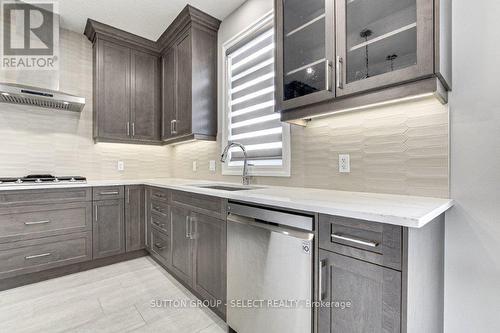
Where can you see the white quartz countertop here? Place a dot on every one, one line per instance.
(407, 211)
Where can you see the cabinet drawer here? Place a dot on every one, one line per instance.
(374, 242)
(159, 194)
(203, 203)
(108, 192)
(28, 197)
(27, 222)
(160, 222)
(159, 207)
(160, 246)
(36, 255)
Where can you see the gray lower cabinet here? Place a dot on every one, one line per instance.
(182, 244)
(373, 292)
(108, 228)
(209, 278)
(135, 221)
(36, 255)
(392, 277)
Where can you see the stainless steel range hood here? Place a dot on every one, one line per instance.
(45, 98)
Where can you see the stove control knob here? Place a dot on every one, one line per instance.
(19, 181)
(72, 180)
(38, 180)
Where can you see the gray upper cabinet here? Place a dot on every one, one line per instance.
(108, 228)
(373, 292)
(135, 219)
(305, 53)
(382, 44)
(155, 92)
(145, 97)
(127, 95)
(112, 107)
(189, 60)
(344, 54)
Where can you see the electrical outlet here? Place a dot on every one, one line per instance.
(120, 166)
(344, 163)
(211, 165)
(195, 166)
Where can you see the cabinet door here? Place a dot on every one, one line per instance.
(182, 254)
(168, 95)
(183, 86)
(108, 228)
(134, 218)
(112, 116)
(209, 234)
(380, 43)
(145, 97)
(305, 52)
(374, 293)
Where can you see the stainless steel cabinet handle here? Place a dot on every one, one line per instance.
(128, 195)
(322, 294)
(191, 228)
(173, 125)
(133, 129)
(128, 128)
(96, 213)
(110, 193)
(159, 195)
(328, 74)
(355, 240)
(339, 71)
(187, 227)
(37, 222)
(38, 256)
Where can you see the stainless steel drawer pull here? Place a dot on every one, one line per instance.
(158, 209)
(110, 193)
(355, 240)
(37, 222)
(38, 256)
(158, 195)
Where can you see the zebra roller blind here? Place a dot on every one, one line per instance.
(250, 90)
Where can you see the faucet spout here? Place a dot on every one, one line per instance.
(246, 177)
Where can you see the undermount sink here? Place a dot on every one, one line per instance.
(227, 187)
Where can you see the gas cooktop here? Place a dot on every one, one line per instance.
(41, 179)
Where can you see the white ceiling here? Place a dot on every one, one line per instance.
(146, 18)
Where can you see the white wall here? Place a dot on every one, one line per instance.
(472, 272)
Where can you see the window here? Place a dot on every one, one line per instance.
(249, 116)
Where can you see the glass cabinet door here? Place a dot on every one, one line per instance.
(382, 42)
(305, 32)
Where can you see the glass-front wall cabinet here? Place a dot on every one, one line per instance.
(378, 42)
(306, 51)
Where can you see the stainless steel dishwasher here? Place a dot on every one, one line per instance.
(269, 270)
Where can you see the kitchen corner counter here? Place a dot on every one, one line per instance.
(402, 210)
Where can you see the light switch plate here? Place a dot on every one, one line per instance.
(344, 163)
(120, 166)
(211, 166)
(195, 166)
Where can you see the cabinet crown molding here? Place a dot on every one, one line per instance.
(187, 17)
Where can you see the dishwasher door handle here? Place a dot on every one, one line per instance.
(305, 235)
